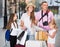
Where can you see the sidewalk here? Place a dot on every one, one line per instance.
(1, 22)
(2, 37)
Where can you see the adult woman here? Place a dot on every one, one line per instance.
(28, 19)
(12, 24)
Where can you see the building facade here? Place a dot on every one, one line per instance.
(1, 6)
(13, 5)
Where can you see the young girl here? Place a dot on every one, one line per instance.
(12, 24)
(52, 34)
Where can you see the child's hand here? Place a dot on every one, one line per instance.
(47, 33)
(22, 23)
(24, 28)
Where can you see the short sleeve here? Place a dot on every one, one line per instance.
(50, 16)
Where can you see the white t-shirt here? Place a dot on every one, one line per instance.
(13, 32)
(51, 40)
(27, 23)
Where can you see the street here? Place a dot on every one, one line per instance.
(2, 33)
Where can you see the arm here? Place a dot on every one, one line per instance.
(53, 34)
(21, 24)
(15, 29)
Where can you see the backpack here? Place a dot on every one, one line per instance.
(7, 35)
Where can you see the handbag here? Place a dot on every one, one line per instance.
(23, 39)
(41, 35)
(21, 35)
(19, 45)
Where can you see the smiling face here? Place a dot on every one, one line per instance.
(44, 6)
(30, 8)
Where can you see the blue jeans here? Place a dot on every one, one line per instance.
(30, 37)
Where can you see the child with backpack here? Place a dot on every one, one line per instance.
(12, 26)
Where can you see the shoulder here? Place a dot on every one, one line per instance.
(50, 12)
(54, 30)
(38, 13)
(12, 25)
(35, 13)
(23, 15)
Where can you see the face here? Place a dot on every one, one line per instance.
(15, 17)
(30, 8)
(44, 6)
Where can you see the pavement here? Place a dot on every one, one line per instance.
(1, 22)
(2, 37)
(2, 32)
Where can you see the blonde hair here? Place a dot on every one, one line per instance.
(53, 23)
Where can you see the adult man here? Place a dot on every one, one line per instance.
(44, 16)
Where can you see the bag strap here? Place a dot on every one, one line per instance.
(21, 35)
(46, 14)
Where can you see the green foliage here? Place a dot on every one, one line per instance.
(23, 5)
(54, 11)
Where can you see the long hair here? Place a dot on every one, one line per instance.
(11, 21)
(32, 16)
(55, 26)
